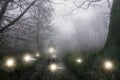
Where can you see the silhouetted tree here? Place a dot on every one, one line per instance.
(4, 5)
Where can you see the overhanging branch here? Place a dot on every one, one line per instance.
(15, 20)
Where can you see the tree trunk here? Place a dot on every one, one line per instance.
(113, 41)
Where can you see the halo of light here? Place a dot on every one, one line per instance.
(108, 65)
(53, 67)
(51, 50)
(37, 55)
(10, 63)
(79, 60)
(27, 58)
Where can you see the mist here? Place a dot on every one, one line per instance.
(59, 39)
(78, 28)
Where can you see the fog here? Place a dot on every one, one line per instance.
(78, 28)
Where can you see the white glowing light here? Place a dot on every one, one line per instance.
(108, 65)
(27, 58)
(37, 55)
(10, 62)
(51, 50)
(79, 60)
(53, 67)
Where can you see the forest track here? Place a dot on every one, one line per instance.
(41, 72)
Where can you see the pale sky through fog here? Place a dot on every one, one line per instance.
(84, 29)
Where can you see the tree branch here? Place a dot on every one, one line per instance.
(83, 3)
(57, 3)
(15, 20)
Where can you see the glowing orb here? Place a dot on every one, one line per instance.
(27, 58)
(10, 62)
(53, 67)
(37, 55)
(108, 65)
(51, 50)
(79, 60)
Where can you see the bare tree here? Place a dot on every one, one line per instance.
(41, 17)
(32, 29)
(4, 9)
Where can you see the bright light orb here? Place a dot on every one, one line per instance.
(51, 50)
(37, 55)
(27, 58)
(108, 65)
(10, 62)
(79, 60)
(53, 67)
